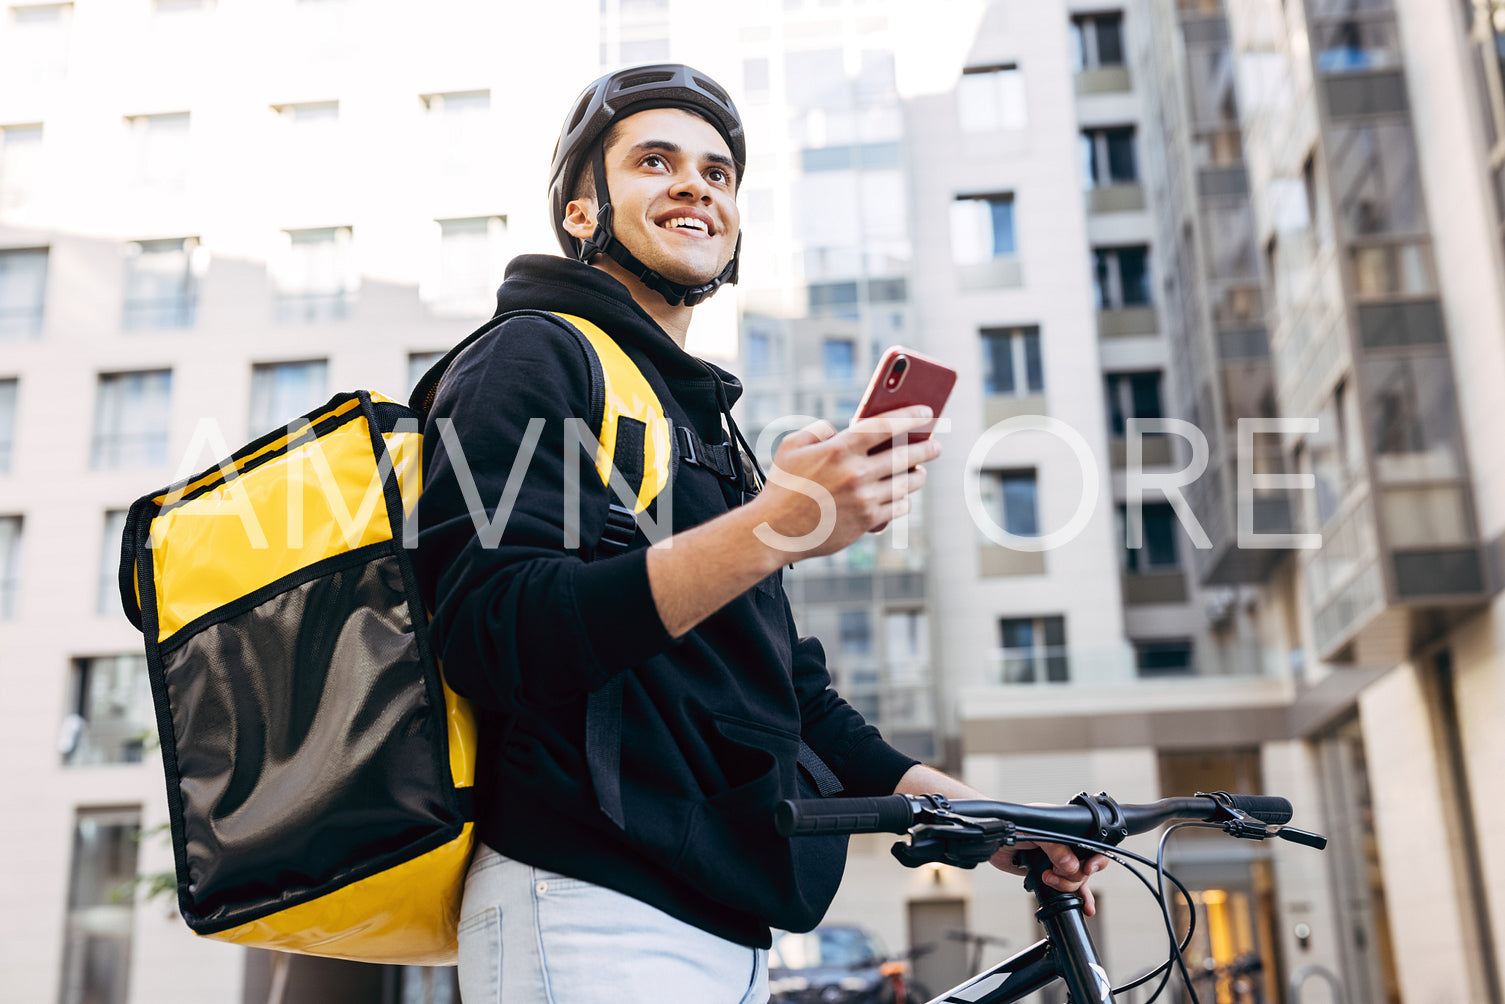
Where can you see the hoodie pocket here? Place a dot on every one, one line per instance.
(732, 852)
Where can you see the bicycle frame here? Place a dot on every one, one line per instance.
(969, 832)
(1066, 953)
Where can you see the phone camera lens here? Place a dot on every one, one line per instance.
(896, 372)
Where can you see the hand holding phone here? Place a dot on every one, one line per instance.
(904, 378)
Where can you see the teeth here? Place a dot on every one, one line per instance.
(686, 221)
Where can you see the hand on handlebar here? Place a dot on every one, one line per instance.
(1068, 873)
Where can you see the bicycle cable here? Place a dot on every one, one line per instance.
(1117, 855)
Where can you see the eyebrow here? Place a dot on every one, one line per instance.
(665, 146)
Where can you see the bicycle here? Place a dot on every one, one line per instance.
(966, 833)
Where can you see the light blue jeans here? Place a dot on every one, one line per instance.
(529, 936)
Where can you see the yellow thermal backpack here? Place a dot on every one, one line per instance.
(318, 768)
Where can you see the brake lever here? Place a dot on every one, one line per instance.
(1304, 837)
(948, 837)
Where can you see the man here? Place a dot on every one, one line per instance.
(659, 876)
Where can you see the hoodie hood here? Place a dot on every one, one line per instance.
(549, 282)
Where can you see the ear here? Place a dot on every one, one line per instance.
(580, 218)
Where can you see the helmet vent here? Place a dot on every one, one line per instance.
(641, 79)
(579, 116)
(713, 88)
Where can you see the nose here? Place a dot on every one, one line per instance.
(692, 186)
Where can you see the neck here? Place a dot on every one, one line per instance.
(674, 320)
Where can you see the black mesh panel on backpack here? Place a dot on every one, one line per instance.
(313, 741)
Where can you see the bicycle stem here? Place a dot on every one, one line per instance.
(1061, 913)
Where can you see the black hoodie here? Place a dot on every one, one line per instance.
(711, 722)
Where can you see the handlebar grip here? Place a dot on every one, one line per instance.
(884, 814)
(1266, 808)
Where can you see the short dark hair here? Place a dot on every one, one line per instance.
(585, 181)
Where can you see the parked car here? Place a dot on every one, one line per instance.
(834, 964)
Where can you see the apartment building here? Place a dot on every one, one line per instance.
(212, 217)
(1345, 156)
(1018, 244)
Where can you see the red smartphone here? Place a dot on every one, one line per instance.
(903, 378)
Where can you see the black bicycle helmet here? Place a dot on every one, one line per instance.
(615, 96)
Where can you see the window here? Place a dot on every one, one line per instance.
(839, 360)
(1164, 657)
(1019, 504)
(1354, 45)
(107, 600)
(1097, 40)
(459, 122)
(762, 357)
(161, 151)
(10, 565)
(470, 262)
(111, 716)
(310, 143)
(1413, 420)
(856, 633)
(312, 117)
(280, 392)
(1158, 552)
(20, 164)
(7, 424)
(1132, 395)
(982, 228)
(36, 42)
(101, 913)
(1376, 179)
(315, 282)
(1122, 277)
(418, 365)
(23, 292)
(131, 418)
(1108, 157)
(1011, 363)
(907, 639)
(755, 75)
(1033, 650)
(989, 98)
(170, 7)
(160, 288)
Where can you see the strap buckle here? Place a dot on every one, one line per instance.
(621, 527)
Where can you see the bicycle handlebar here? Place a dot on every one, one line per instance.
(898, 813)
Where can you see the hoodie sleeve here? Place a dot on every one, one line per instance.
(862, 761)
(518, 619)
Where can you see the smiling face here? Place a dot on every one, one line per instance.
(673, 193)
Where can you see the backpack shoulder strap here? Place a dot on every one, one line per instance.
(635, 445)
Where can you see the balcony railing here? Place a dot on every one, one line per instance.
(1152, 659)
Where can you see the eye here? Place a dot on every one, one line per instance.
(653, 160)
(719, 176)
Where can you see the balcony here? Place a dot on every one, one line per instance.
(1116, 199)
(1240, 693)
(1103, 80)
(1127, 322)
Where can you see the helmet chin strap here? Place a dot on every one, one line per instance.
(604, 241)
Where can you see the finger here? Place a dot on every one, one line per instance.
(816, 432)
(903, 458)
(1063, 860)
(901, 483)
(880, 429)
